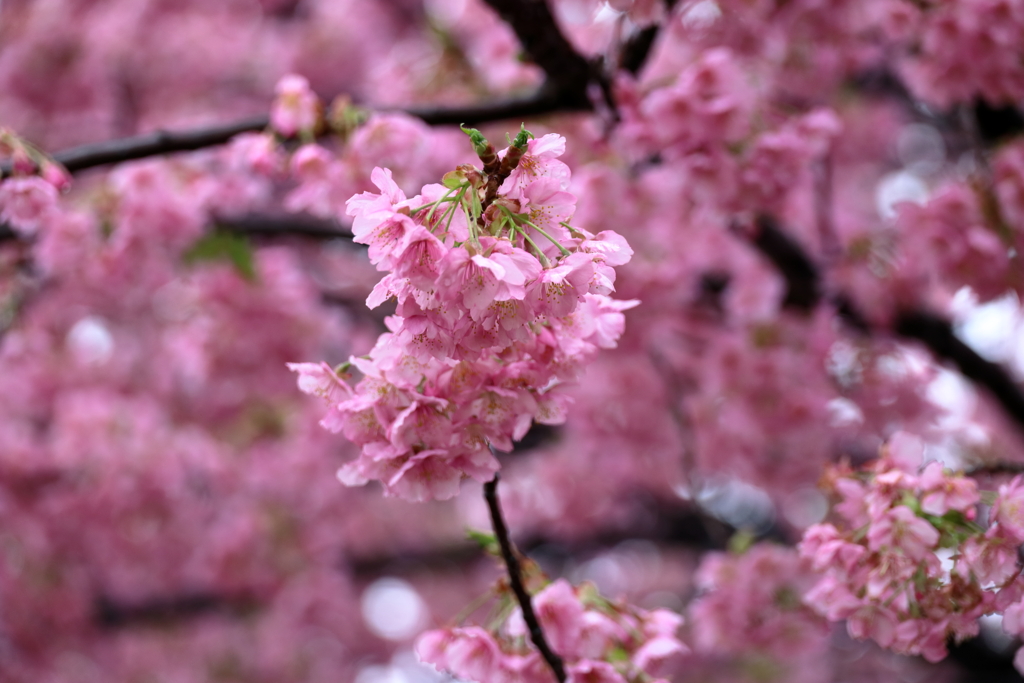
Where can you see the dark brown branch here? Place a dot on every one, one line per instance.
(937, 335)
(996, 124)
(804, 293)
(284, 225)
(155, 143)
(536, 105)
(567, 72)
(258, 226)
(637, 49)
(803, 287)
(110, 614)
(515, 576)
(666, 522)
(996, 469)
(160, 142)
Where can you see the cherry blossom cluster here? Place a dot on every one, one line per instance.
(26, 159)
(752, 603)
(964, 50)
(600, 641)
(908, 561)
(155, 448)
(950, 242)
(30, 194)
(500, 301)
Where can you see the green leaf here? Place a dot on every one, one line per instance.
(486, 540)
(617, 654)
(741, 541)
(224, 246)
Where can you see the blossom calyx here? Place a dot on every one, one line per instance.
(484, 149)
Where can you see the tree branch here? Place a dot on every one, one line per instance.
(541, 103)
(515, 576)
(155, 143)
(996, 469)
(160, 142)
(284, 225)
(804, 292)
(109, 614)
(257, 226)
(803, 281)
(937, 334)
(666, 522)
(567, 72)
(637, 49)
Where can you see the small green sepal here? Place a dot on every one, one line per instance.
(487, 541)
(476, 137)
(523, 137)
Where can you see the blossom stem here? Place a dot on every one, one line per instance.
(514, 226)
(453, 208)
(515, 575)
(527, 221)
(571, 229)
(540, 254)
(433, 205)
(475, 216)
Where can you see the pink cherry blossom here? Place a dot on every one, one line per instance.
(586, 671)
(990, 558)
(296, 109)
(1008, 511)
(469, 653)
(585, 630)
(899, 528)
(26, 203)
(944, 493)
(539, 162)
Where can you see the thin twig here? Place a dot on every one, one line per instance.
(284, 225)
(110, 614)
(996, 469)
(155, 143)
(515, 576)
(161, 142)
(535, 105)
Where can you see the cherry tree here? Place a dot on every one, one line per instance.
(702, 316)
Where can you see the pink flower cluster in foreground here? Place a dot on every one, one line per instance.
(598, 640)
(499, 302)
(908, 562)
